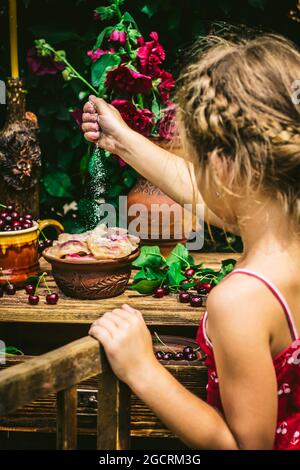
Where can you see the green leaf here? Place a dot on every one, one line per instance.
(105, 32)
(106, 13)
(83, 166)
(32, 280)
(229, 261)
(58, 184)
(145, 286)
(174, 274)
(129, 19)
(149, 9)
(150, 256)
(257, 4)
(60, 133)
(180, 254)
(76, 140)
(99, 68)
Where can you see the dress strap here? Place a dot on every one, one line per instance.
(277, 294)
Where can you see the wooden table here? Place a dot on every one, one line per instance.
(39, 329)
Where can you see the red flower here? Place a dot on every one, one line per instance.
(118, 36)
(140, 120)
(140, 41)
(166, 84)
(77, 116)
(42, 65)
(123, 79)
(167, 127)
(95, 55)
(151, 55)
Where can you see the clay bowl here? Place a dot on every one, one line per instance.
(91, 279)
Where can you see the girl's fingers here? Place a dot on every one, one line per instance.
(90, 127)
(129, 309)
(122, 316)
(118, 321)
(89, 108)
(101, 334)
(110, 324)
(92, 136)
(88, 117)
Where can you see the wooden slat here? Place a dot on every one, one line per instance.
(50, 373)
(163, 312)
(66, 426)
(113, 421)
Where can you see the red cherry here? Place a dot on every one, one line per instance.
(28, 217)
(26, 225)
(4, 214)
(16, 223)
(30, 289)
(15, 215)
(52, 299)
(184, 297)
(204, 288)
(190, 272)
(33, 299)
(159, 293)
(196, 301)
(10, 289)
(10, 208)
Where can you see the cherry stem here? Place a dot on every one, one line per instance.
(46, 283)
(41, 231)
(2, 205)
(42, 276)
(164, 344)
(5, 277)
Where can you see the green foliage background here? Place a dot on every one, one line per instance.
(70, 25)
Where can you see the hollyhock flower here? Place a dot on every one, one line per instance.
(118, 36)
(95, 55)
(42, 65)
(140, 41)
(151, 55)
(140, 120)
(167, 127)
(166, 84)
(123, 79)
(77, 116)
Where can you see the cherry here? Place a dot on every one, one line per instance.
(15, 215)
(184, 282)
(8, 219)
(16, 229)
(2, 223)
(189, 272)
(48, 243)
(203, 288)
(196, 301)
(33, 299)
(159, 292)
(184, 297)
(10, 208)
(41, 246)
(159, 355)
(187, 350)
(7, 228)
(1, 291)
(30, 289)
(28, 217)
(4, 214)
(10, 289)
(179, 356)
(26, 225)
(168, 356)
(21, 220)
(16, 223)
(192, 356)
(166, 288)
(52, 299)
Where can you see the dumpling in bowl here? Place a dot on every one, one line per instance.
(71, 247)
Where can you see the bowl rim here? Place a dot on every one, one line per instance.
(97, 262)
(13, 233)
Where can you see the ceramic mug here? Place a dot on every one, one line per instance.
(19, 255)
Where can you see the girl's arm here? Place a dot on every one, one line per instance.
(171, 173)
(248, 386)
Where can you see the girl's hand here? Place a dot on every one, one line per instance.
(103, 124)
(127, 343)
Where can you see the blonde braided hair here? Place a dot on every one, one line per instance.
(236, 98)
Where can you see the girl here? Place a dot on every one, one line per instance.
(242, 130)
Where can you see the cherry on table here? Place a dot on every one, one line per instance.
(159, 355)
(10, 289)
(30, 289)
(52, 299)
(190, 272)
(166, 288)
(33, 299)
(48, 243)
(184, 282)
(196, 301)
(187, 350)
(41, 246)
(179, 356)
(203, 288)
(159, 292)
(1, 291)
(184, 297)
(192, 356)
(168, 356)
